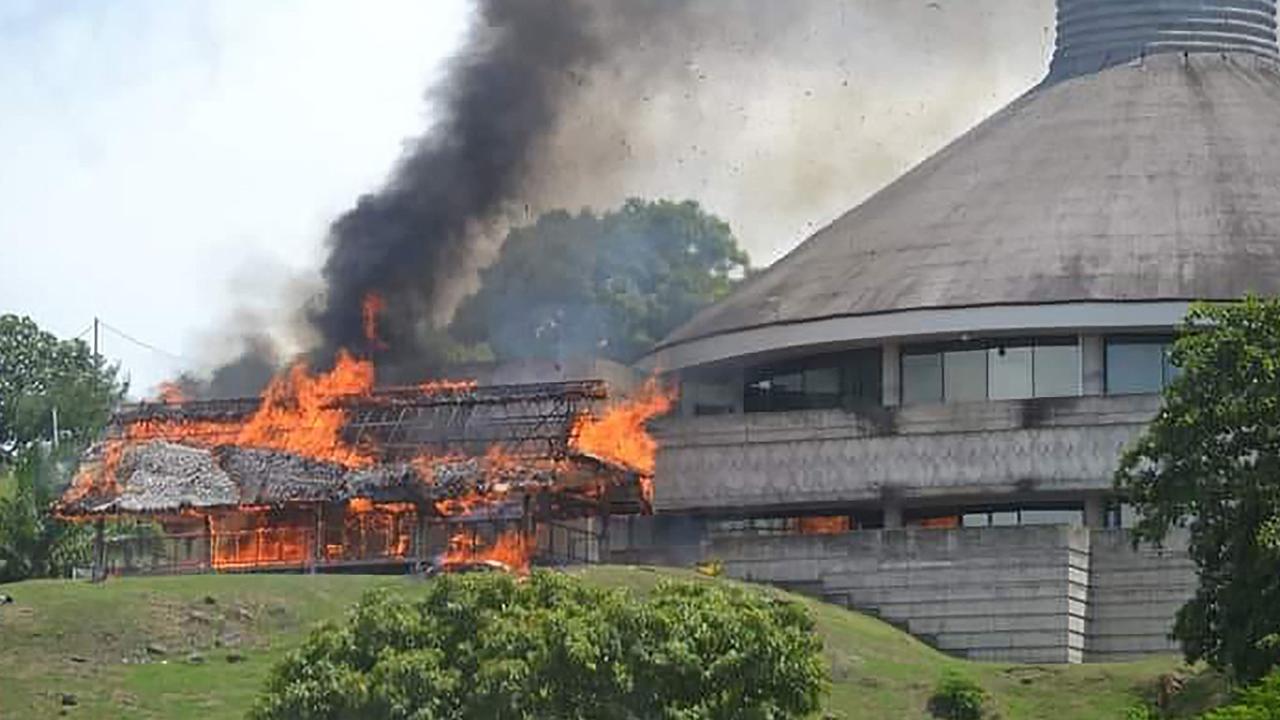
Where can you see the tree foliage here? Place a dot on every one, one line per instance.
(33, 542)
(491, 647)
(959, 698)
(611, 284)
(1211, 462)
(39, 372)
(1260, 701)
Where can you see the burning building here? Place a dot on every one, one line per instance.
(918, 411)
(326, 472)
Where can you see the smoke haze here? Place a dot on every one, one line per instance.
(776, 116)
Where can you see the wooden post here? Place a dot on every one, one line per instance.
(99, 551)
(317, 552)
(210, 551)
(602, 541)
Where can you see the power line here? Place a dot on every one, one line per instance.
(145, 345)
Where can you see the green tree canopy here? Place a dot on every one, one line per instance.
(39, 372)
(1211, 462)
(33, 542)
(489, 647)
(611, 284)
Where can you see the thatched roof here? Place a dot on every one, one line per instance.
(161, 477)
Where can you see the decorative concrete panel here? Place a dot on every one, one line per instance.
(809, 458)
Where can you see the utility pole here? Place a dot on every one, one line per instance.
(99, 526)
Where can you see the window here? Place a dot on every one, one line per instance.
(1138, 365)
(1009, 370)
(1009, 517)
(787, 525)
(965, 375)
(1057, 370)
(1006, 370)
(821, 382)
(921, 379)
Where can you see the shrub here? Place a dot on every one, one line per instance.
(488, 646)
(1141, 711)
(1257, 702)
(958, 698)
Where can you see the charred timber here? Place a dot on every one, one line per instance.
(424, 396)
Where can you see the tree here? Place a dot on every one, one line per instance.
(492, 647)
(33, 542)
(610, 285)
(39, 372)
(1211, 462)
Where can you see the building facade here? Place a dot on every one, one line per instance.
(918, 411)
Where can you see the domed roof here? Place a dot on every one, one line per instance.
(1155, 179)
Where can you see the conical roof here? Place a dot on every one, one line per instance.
(1154, 179)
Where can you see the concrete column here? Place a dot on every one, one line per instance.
(1093, 361)
(738, 386)
(1095, 510)
(892, 514)
(891, 375)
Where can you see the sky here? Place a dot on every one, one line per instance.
(171, 166)
(162, 161)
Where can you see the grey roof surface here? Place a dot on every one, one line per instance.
(1156, 180)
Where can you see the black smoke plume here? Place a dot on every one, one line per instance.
(407, 242)
(777, 116)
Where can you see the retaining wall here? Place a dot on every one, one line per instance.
(1050, 594)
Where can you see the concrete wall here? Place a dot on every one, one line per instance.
(775, 460)
(1050, 594)
(1008, 594)
(1134, 595)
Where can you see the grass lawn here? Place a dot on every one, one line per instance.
(91, 641)
(6, 484)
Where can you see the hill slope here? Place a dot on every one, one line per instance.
(200, 646)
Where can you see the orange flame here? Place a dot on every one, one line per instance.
(297, 415)
(512, 549)
(171, 393)
(440, 387)
(246, 540)
(620, 435)
(373, 306)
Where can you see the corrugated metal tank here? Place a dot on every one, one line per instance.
(1095, 34)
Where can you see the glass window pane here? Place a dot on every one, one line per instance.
(1134, 368)
(1004, 518)
(976, 520)
(822, 381)
(1009, 372)
(965, 373)
(1053, 517)
(921, 379)
(793, 382)
(1057, 370)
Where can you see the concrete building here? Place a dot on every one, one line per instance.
(918, 410)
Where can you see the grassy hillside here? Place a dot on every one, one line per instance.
(200, 646)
